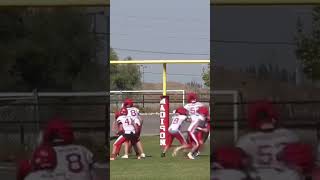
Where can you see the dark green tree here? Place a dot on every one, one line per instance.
(308, 45)
(48, 49)
(124, 76)
(206, 76)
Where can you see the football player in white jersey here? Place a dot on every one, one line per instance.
(193, 104)
(44, 162)
(134, 114)
(228, 164)
(196, 119)
(75, 161)
(179, 117)
(128, 129)
(264, 144)
(203, 129)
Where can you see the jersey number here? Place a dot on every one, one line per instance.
(74, 163)
(133, 113)
(192, 110)
(265, 154)
(127, 122)
(175, 121)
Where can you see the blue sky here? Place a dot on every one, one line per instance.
(162, 27)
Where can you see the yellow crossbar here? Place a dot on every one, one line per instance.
(164, 67)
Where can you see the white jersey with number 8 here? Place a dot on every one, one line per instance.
(264, 147)
(75, 161)
(176, 122)
(134, 114)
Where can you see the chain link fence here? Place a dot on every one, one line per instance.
(23, 117)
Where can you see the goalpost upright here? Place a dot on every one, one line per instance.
(164, 100)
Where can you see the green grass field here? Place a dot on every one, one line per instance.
(157, 168)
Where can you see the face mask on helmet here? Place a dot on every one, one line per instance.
(265, 122)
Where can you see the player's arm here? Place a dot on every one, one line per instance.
(114, 126)
(206, 129)
(136, 126)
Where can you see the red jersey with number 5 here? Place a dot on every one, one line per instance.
(75, 161)
(264, 147)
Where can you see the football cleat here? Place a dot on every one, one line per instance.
(197, 154)
(190, 156)
(125, 156)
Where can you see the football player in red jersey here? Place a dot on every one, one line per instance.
(229, 163)
(44, 162)
(300, 157)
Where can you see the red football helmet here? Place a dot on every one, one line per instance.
(59, 131)
(298, 155)
(124, 111)
(192, 97)
(262, 115)
(44, 157)
(203, 111)
(181, 111)
(128, 102)
(24, 168)
(230, 157)
(116, 114)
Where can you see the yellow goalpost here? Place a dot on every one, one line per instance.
(164, 100)
(164, 69)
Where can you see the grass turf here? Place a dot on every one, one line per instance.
(157, 168)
